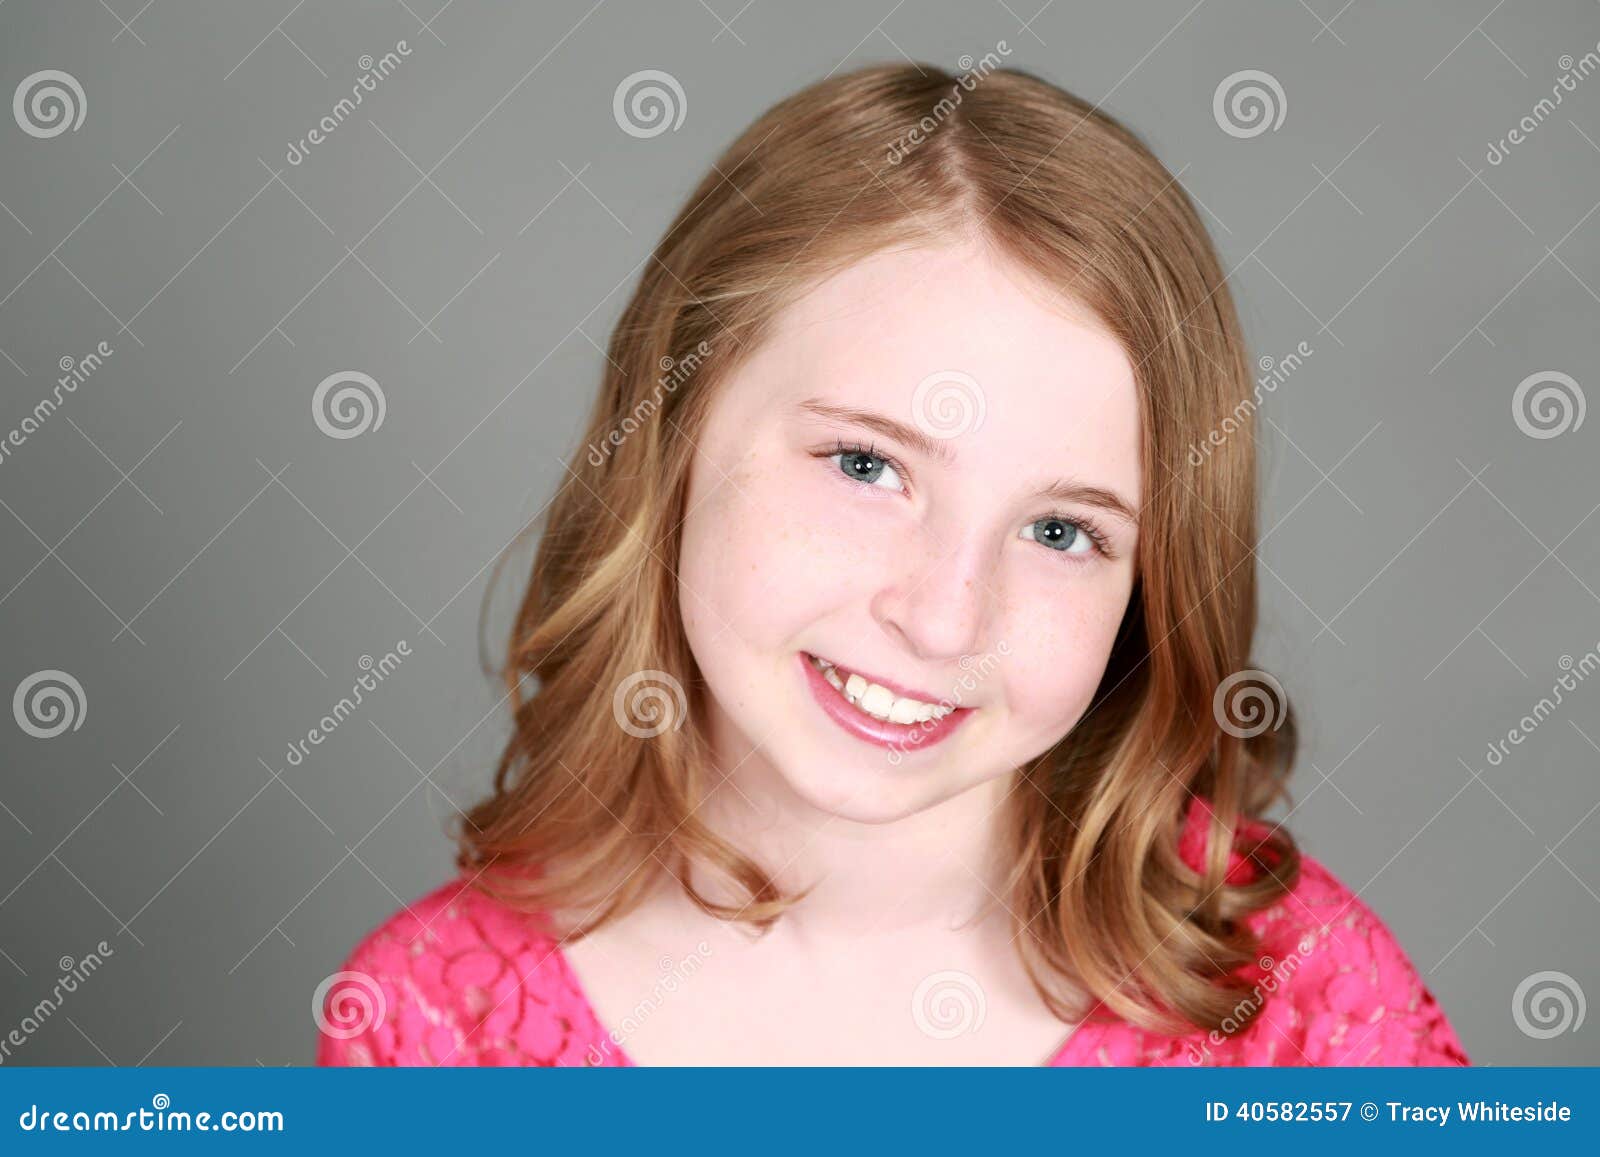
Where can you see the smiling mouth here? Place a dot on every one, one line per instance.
(875, 700)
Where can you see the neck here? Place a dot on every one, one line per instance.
(931, 871)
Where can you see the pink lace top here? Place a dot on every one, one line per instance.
(460, 979)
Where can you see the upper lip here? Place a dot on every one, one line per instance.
(900, 689)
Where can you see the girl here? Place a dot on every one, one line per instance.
(891, 637)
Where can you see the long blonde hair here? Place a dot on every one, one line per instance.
(890, 156)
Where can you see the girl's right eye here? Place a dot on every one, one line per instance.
(866, 467)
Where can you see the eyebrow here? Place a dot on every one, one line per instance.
(1062, 490)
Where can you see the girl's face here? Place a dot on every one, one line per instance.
(928, 476)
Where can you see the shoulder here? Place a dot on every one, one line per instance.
(1336, 987)
(453, 978)
(1331, 984)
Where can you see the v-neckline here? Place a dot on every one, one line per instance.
(1073, 1042)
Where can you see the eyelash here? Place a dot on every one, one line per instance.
(1082, 522)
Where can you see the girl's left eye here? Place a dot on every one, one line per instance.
(1062, 535)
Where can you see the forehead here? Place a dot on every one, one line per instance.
(1055, 389)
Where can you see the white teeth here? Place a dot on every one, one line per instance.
(878, 701)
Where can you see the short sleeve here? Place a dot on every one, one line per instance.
(455, 978)
(355, 1006)
(1338, 988)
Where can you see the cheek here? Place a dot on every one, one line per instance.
(767, 551)
(1059, 652)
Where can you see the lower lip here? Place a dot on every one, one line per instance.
(897, 736)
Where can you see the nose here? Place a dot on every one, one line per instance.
(938, 603)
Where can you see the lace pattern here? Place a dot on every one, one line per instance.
(458, 979)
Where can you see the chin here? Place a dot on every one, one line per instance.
(866, 790)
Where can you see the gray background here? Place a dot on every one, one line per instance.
(183, 539)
